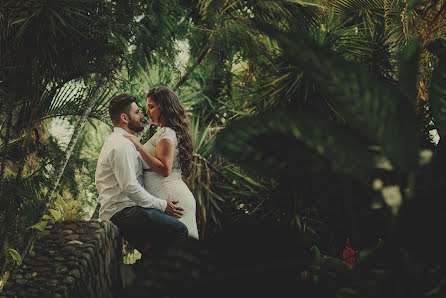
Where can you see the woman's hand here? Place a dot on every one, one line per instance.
(134, 140)
(162, 161)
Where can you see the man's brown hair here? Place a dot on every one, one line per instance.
(119, 104)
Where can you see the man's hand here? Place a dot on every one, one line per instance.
(173, 210)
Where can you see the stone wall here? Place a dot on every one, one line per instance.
(70, 259)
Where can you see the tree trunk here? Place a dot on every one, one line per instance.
(60, 169)
(80, 125)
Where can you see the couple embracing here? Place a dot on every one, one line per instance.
(141, 187)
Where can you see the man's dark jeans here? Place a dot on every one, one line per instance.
(140, 226)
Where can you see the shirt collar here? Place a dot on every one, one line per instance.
(120, 130)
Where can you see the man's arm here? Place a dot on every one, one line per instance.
(123, 164)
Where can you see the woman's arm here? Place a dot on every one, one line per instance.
(163, 161)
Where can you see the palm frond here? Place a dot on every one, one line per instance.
(286, 86)
(203, 137)
(369, 12)
(70, 100)
(378, 112)
(286, 13)
(281, 145)
(100, 107)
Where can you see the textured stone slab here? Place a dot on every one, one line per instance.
(70, 259)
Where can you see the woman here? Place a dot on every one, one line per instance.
(168, 154)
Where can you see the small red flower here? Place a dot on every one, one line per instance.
(348, 254)
(380, 242)
(351, 262)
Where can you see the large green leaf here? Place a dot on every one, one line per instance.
(438, 88)
(287, 146)
(15, 255)
(408, 70)
(379, 113)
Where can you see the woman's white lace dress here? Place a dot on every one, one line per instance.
(171, 187)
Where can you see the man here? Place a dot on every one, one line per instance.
(140, 217)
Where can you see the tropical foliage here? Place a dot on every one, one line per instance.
(59, 58)
(312, 123)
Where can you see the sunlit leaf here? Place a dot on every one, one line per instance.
(40, 226)
(57, 215)
(15, 256)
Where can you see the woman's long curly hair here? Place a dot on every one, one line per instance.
(175, 116)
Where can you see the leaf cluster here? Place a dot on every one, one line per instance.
(302, 152)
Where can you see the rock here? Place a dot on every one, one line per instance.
(8, 285)
(45, 233)
(41, 269)
(90, 250)
(73, 242)
(75, 273)
(20, 281)
(85, 238)
(61, 269)
(69, 249)
(94, 225)
(84, 264)
(43, 259)
(62, 290)
(52, 282)
(71, 259)
(68, 280)
(72, 237)
(54, 236)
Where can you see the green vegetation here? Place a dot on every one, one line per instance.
(311, 123)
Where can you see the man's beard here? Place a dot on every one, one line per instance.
(135, 126)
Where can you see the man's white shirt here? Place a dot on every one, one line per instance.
(118, 177)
